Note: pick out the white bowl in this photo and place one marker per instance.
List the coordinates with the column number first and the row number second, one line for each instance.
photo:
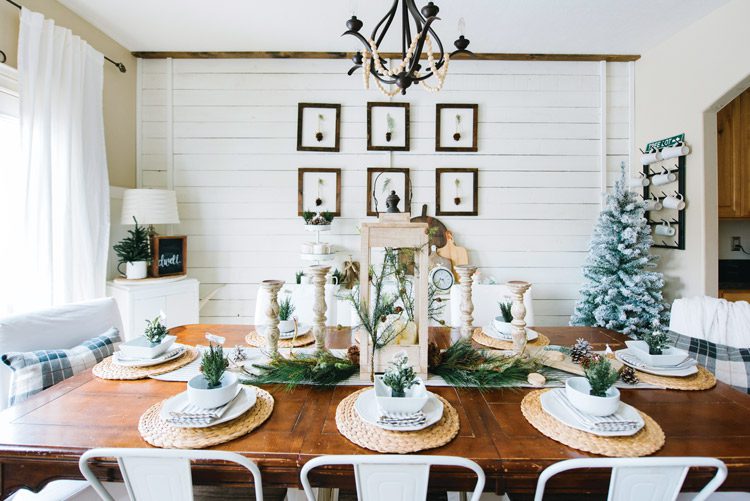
column 502, row 326
column 670, row 356
column 209, row 398
column 416, row 397
column 578, row 389
column 142, row 348
column 286, row 325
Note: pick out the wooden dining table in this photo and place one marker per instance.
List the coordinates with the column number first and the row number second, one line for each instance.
column 42, row 438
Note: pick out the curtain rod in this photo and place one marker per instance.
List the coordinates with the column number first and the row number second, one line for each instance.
column 119, row 66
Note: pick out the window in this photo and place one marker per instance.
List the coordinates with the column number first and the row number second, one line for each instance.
column 10, row 157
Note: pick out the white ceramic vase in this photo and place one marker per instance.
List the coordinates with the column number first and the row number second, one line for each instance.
column 135, row 270
column 578, row 389
column 200, row 395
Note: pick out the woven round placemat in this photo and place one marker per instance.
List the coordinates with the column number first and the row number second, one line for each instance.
column 394, row 442
column 647, row 441
column 107, row 369
column 701, row 380
column 159, row 433
column 482, row 338
column 255, row 339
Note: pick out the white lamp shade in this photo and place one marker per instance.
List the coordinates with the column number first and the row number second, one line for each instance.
column 149, row 207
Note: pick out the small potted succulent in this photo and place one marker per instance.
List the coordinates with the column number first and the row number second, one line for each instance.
column 153, row 343
column 214, row 386
column 399, row 389
column 654, row 350
column 595, row 393
column 502, row 322
column 286, row 308
column 134, row 252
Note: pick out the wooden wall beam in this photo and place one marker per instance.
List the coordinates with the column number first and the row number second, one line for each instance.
column 612, row 58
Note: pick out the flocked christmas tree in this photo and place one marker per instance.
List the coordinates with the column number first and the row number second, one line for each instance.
column 620, row 291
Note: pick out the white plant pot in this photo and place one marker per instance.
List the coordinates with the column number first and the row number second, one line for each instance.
column 136, row 270
column 142, row 348
column 415, row 397
column 502, row 326
column 286, row 325
column 670, row 356
column 200, row 395
column 578, row 391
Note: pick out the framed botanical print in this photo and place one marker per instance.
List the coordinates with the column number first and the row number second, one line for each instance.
column 388, row 186
column 456, row 127
column 388, row 126
column 318, row 127
column 456, row 192
column 319, row 190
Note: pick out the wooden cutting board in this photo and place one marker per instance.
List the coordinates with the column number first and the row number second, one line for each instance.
column 457, row 255
column 436, row 227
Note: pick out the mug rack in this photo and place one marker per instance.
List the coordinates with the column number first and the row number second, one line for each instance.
column 673, row 217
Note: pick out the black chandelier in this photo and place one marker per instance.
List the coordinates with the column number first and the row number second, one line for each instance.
column 409, row 69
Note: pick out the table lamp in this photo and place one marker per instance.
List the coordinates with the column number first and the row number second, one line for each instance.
column 149, row 207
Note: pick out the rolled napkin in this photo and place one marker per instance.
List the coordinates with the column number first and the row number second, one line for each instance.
column 612, row 423
column 651, row 158
column 402, row 419
column 674, row 151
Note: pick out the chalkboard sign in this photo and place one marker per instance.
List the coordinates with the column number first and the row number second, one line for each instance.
column 168, row 256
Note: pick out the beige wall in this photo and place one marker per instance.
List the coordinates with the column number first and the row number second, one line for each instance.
column 680, row 85
column 119, row 88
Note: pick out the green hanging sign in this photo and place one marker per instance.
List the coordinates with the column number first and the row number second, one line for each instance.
column 665, row 143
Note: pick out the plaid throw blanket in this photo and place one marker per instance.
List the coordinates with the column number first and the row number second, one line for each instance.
column 35, row 371
column 730, row 365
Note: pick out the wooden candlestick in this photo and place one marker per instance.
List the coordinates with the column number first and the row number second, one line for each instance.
column 318, row 275
column 272, row 287
column 466, row 279
column 518, row 310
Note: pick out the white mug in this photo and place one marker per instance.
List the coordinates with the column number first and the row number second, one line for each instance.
column 653, row 204
column 135, row 270
column 307, row 247
column 665, row 177
column 678, row 150
column 321, row 248
column 639, row 181
column 651, row 157
column 676, row 201
column 665, row 229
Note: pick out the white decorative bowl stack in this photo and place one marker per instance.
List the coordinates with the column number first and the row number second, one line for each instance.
column 578, row 389
column 142, row 348
column 415, row 399
column 670, row 356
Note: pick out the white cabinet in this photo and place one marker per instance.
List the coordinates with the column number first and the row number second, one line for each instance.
column 138, row 303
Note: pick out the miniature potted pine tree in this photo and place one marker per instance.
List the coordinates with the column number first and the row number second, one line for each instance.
column 399, row 389
column 653, row 349
column 502, row 322
column 134, row 252
column 286, row 308
column 595, row 393
column 214, row 386
column 153, row 343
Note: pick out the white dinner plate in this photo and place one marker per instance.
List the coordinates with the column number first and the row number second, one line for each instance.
column 243, row 403
column 560, row 412
column 367, row 409
column 633, row 361
column 490, row 330
column 302, row 329
column 176, row 351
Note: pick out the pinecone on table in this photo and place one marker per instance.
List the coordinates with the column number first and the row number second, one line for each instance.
column 580, row 351
column 628, row 375
column 434, row 357
column 353, row 354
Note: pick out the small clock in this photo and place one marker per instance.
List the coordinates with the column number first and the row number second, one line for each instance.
column 442, row 278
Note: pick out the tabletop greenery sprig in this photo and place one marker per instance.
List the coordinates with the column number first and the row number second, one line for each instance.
column 322, row 368
column 462, row 365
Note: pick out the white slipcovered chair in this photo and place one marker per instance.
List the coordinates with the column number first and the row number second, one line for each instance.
column 303, row 298
column 485, row 298
column 648, row 479
column 55, row 328
column 160, row 474
column 391, row 477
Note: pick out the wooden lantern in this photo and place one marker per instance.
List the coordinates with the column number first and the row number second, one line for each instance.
column 396, row 231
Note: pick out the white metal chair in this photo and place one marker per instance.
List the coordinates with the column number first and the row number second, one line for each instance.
column 160, row 474
column 485, row 298
column 391, row 477
column 644, row 479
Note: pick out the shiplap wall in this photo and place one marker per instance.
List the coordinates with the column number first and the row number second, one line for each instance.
column 222, row 133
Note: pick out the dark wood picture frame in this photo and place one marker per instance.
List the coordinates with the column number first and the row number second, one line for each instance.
column 300, row 126
column 407, row 126
column 474, row 132
column 157, row 243
column 406, row 199
column 440, row 211
column 301, row 184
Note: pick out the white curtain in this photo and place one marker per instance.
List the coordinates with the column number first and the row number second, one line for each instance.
column 64, row 217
